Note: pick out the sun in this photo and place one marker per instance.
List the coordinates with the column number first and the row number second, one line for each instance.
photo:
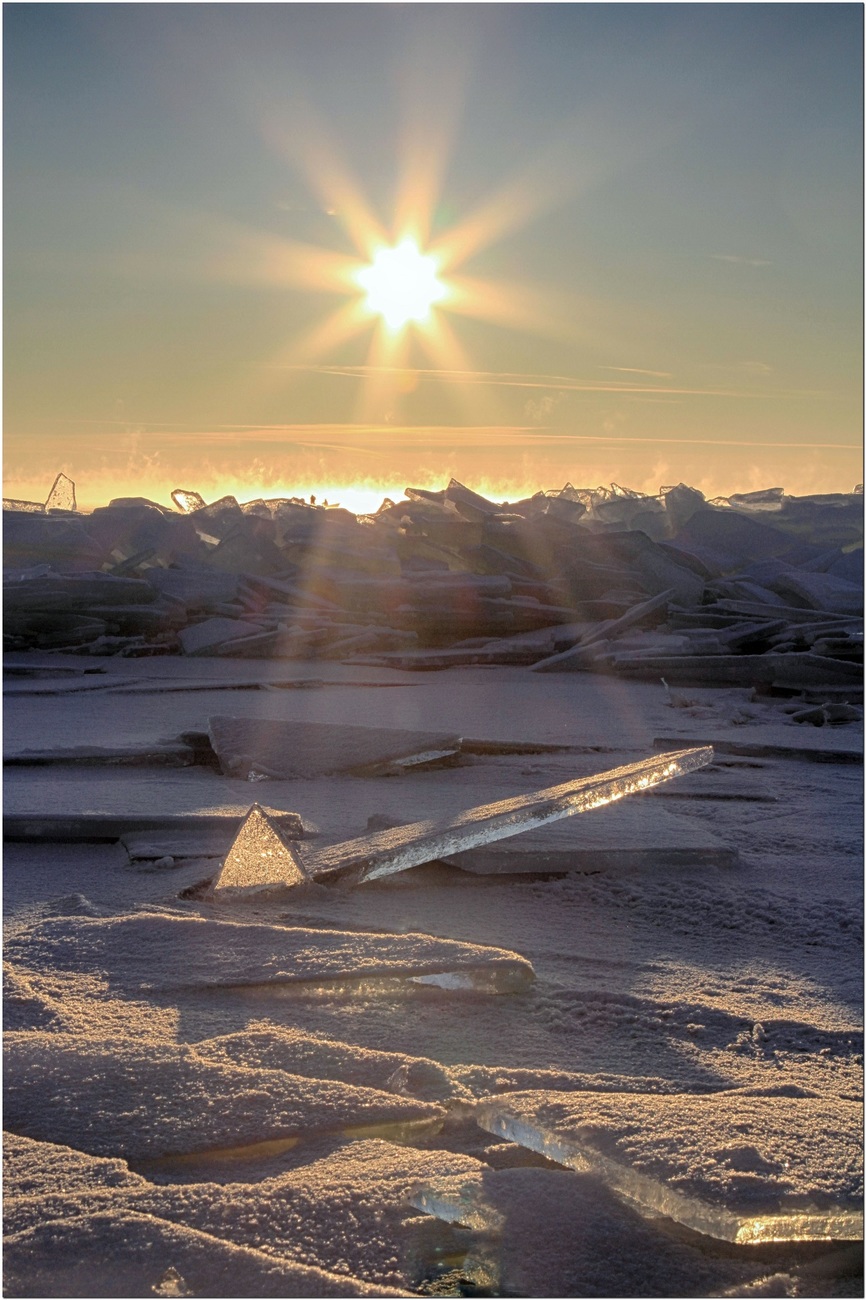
column 401, row 284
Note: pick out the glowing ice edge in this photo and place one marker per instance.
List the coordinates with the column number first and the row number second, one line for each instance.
column 647, row 1194
column 502, row 977
column 402, row 1132
column 395, row 850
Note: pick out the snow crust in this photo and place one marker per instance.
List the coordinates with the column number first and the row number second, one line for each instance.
column 155, row 950
column 147, row 1100
column 344, row 1213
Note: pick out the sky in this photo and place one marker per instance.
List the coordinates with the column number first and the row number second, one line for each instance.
column 645, row 220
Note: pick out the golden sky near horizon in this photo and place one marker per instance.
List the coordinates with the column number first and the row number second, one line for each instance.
column 283, row 249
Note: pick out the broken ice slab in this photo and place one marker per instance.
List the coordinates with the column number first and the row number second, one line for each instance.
column 296, row 1052
column 159, row 754
column 63, row 685
column 172, row 848
column 146, row 1100
column 62, row 494
column 575, row 657
column 381, row 854
column 58, row 540
column 783, row 742
column 73, row 593
column 468, row 503
column 358, row 1190
column 96, row 828
column 549, row 1232
column 165, row 951
column 744, row 1166
column 23, row 507
column 187, row 501
column 821, row 591
column 206, row 637
column 122, row 1253
column 737, row 670
column 259, row 859
column 33, row 1168
column 296, row 750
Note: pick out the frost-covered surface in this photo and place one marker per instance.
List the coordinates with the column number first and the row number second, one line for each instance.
column 748, row 1155
column 139, row 953
column 147, row 1100
column 117, row 1254
column 325, row 1058
column 347, row 1210
column 674, row 984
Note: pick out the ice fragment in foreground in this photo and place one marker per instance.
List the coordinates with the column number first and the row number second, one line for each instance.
column 259, row 859
column 739, row 1166
column 62, row 494
column 389, row 851
column 150, row 1100
column 122, row 1253
column 357, row 1191
column 146, row 952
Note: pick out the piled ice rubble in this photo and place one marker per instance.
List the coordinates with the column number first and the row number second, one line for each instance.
column 761, row 588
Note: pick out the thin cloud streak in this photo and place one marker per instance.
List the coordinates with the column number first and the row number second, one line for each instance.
column 564, row 383
column 637, row 370
column 457, row 435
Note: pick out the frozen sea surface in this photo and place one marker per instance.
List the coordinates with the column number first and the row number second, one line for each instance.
column 182, row 1124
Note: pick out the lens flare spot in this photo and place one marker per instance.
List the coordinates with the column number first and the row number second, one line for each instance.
column 401, row 284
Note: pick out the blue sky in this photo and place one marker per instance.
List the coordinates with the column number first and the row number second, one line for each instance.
column 669, row 200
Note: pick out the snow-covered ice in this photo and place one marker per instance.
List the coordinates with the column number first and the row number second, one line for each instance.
column 259, row 1063
column 745, row 1166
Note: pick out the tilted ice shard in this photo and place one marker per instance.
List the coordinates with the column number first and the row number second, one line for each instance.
column 187, row 501
column 62, row 494
column 740, row 1166
column 394, row 850
column 259, row 858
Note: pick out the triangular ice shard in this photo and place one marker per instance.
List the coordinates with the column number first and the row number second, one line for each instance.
column 258, row 859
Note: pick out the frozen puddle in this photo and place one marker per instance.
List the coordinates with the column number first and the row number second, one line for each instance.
column 153, row 952
column 145, row 1101
column 738, row 1166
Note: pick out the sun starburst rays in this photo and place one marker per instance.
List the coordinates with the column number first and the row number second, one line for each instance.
column 400, row 286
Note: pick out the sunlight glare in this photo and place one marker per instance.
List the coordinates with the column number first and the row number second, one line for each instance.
column 401, row 284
